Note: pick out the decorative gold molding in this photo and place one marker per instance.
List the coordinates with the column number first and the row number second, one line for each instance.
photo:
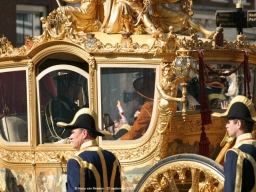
column 190, row 126
column 157, row 45
column 92, row 71
column 16, row 156
column 138, row 153
column 30, row 76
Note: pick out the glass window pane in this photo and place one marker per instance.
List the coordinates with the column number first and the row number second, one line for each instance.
column 127, row 101
column 27, row 24
column 19, row 29
column 13, row 106
column 37, row 29
column 218, row 88
column 62, row 94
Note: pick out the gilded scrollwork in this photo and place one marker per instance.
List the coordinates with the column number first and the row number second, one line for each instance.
column 138, row 152
column 16, row 156
column 171, row 40
column 52, row 156
column 162, row 43
column 200, row 177
column 190, row 126
column 33, row 157
column 7, row 49
column 30, row 73
column 126, row 43
column 91, row 43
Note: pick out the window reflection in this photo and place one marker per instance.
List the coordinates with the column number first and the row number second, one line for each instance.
column 127, row 101
column 28, row 22
column 62, row 94
column 13, row 106
column 218, row 88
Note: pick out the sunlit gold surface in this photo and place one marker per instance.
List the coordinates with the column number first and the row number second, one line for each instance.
column 67, row 30
column 197, row 175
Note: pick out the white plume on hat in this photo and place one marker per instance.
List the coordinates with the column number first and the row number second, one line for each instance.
column 233, row 88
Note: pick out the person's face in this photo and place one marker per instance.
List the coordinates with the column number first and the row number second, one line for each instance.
column 74, row 91
column 116, row 123
column 77, row 137
column 232, row 127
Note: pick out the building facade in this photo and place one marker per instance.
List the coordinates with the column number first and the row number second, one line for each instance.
column 20, row 18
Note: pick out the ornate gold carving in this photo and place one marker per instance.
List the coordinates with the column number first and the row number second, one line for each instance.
column 161, row 44
column 190, row 126
column 30, row 76
column 16, row 156
column 52, row 156
column 33, row 157
column 91, row 43
column 166, row 178
column 121, row 16
column 92, row 69
column 138, row 153
column 126, row 44
column 32, row 151
column 7, row 49
column 168, row 88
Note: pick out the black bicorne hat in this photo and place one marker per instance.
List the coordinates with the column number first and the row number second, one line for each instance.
column 84, row 118
column 240, row 107
column 145, row 86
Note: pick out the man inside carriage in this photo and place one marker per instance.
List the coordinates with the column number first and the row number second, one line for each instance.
column 64, row 106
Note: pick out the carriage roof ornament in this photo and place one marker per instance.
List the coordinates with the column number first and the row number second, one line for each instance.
column 184, row 66
column 239, row 4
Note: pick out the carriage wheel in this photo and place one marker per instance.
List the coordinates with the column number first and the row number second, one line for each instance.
column 184, row 172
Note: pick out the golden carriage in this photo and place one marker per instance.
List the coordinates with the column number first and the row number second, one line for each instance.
column 109, row 54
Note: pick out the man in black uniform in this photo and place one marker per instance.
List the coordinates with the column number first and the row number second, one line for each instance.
column 92, row 169
column 240, row 165
column 63, row 107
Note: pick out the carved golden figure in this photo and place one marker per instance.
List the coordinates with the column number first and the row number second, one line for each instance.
column 168, row 89
column 84, row 16
column 180, row 18
column 124, row 15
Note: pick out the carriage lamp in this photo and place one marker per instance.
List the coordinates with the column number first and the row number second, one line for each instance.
column 185, row 68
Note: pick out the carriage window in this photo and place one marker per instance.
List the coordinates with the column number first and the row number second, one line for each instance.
column 13, row 106
column 62, row 93
column 219, row 88
column 127, row 101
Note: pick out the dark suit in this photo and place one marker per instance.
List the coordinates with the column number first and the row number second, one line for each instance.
column 240, row 166
column 59, row 109
column 92, row 169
